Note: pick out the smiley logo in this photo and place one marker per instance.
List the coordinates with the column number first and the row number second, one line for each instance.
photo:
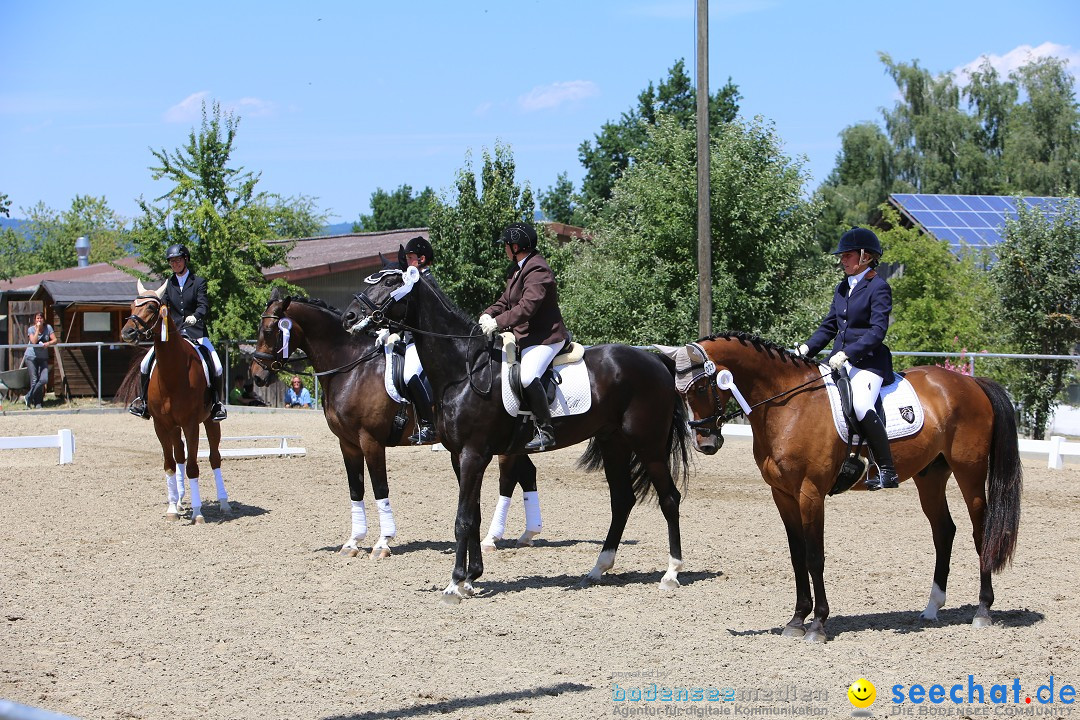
column 862, row 693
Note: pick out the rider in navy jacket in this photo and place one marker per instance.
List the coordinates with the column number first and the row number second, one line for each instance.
column 858, row 320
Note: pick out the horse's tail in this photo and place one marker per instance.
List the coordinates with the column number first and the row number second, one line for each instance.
column 129, row 386
column 678, row 446
column 1005, row 479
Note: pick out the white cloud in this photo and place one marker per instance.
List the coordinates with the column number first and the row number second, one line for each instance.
column 483, row 108
column 1020, row 56
column 555, row 94
column 189, row 110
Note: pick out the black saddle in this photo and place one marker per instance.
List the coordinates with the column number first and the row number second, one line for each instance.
column 548, row 380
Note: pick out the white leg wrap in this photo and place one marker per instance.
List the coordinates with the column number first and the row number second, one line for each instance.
column 498, row 518
column 936, row 602
column 181, row 473
column 387, row 528
column 359, row 523
column 222, row 495
column 173, row 490
column 196, row 501
column 533, row 526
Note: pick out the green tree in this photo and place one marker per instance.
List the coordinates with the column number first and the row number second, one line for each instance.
column 559, row 203
column 617, row 144
column 47, row 240
column 1037, row 277
column 10, row 244
column 940, row 301
column 635, row 281
column 1042, row 148
column 215, row 210
column 397, row 210
column 465, row 224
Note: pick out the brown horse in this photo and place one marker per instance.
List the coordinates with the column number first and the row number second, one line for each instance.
column 179, row 400
column 356, row 405
column 969, row 431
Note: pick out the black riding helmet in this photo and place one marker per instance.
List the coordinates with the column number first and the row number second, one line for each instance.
column 859, row 239
column 177, row 250
column 521, row 234
column 421, row 246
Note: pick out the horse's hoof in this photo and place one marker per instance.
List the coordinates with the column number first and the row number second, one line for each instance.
column 226, row 508
column 198, row 520
column 526, row 539
column 488, row 544
column 172, row 516
column 450, row 597
column 378, row 553
column 793, row 631
column 349, row 552
column 671, row 583
column 815, row 637
column 928, row 617
column 981, row 621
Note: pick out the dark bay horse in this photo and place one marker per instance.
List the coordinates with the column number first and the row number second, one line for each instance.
column 357, row 408
column 636, row 425
column 969, row 432
column 179, row 401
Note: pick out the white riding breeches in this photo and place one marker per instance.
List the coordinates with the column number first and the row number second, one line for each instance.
column 144, row 366
column 412, row 363
column 535, row 360
column 865, row 387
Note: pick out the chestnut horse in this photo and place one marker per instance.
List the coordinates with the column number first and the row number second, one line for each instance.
column 636, row 423
column 969, row 431
column 178, row 399
column 357, row 408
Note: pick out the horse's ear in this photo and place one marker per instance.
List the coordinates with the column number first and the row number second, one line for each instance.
column 276, row 293
column 161, row 290
column 695, row 353
column 672, row 351
column 139, row 287
column 402, row 261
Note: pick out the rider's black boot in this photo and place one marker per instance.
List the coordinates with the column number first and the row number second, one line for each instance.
column 538, row 403
column 878, row 440
column 138, row 406
column 217, row 410
column 422, row 411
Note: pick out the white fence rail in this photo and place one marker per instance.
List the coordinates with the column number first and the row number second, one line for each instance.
column 282, row 448
column 64, row 440
column 1056, row 448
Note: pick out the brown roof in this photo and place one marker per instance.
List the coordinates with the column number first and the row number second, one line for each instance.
column 98, row 272
column 312, row 257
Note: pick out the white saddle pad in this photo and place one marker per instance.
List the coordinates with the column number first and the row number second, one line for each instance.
column 573, row 394
column 388, row 373
column 202, row 360
column 903, row 411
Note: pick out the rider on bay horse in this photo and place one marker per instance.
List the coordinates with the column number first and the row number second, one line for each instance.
column 858, row 319
column 530, row 308
column 419, row 254
column 186, row 297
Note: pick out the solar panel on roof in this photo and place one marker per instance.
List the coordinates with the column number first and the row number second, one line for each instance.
column 967, row 221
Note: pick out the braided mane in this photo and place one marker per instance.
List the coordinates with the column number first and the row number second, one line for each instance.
column 761, row 345
column 318, row 303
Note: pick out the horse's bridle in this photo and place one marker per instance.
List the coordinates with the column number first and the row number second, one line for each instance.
column 271, row 361
column 146, row 329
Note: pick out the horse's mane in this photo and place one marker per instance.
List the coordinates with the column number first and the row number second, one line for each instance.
column 447, row 302
column 317, row 303
column 761, row 345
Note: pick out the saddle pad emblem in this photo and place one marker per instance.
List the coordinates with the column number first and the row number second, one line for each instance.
column 908, row 413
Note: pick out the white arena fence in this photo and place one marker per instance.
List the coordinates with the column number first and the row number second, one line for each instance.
column 280, row 449
column 64, row 440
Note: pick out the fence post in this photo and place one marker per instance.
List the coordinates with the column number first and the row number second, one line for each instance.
column 99, row 374
column 1055, row 461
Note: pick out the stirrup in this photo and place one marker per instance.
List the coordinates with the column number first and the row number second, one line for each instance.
column 424, row 434
column 885, row 479
column 139, row 408
column 543, row 440
column 218, row 413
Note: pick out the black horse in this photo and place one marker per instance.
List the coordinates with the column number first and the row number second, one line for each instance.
column 355, row 402
column 636, row 425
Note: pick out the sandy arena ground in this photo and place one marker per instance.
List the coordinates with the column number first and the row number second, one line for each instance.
column 110, row 611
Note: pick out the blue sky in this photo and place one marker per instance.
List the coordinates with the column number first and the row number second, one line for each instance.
column 337, row 99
